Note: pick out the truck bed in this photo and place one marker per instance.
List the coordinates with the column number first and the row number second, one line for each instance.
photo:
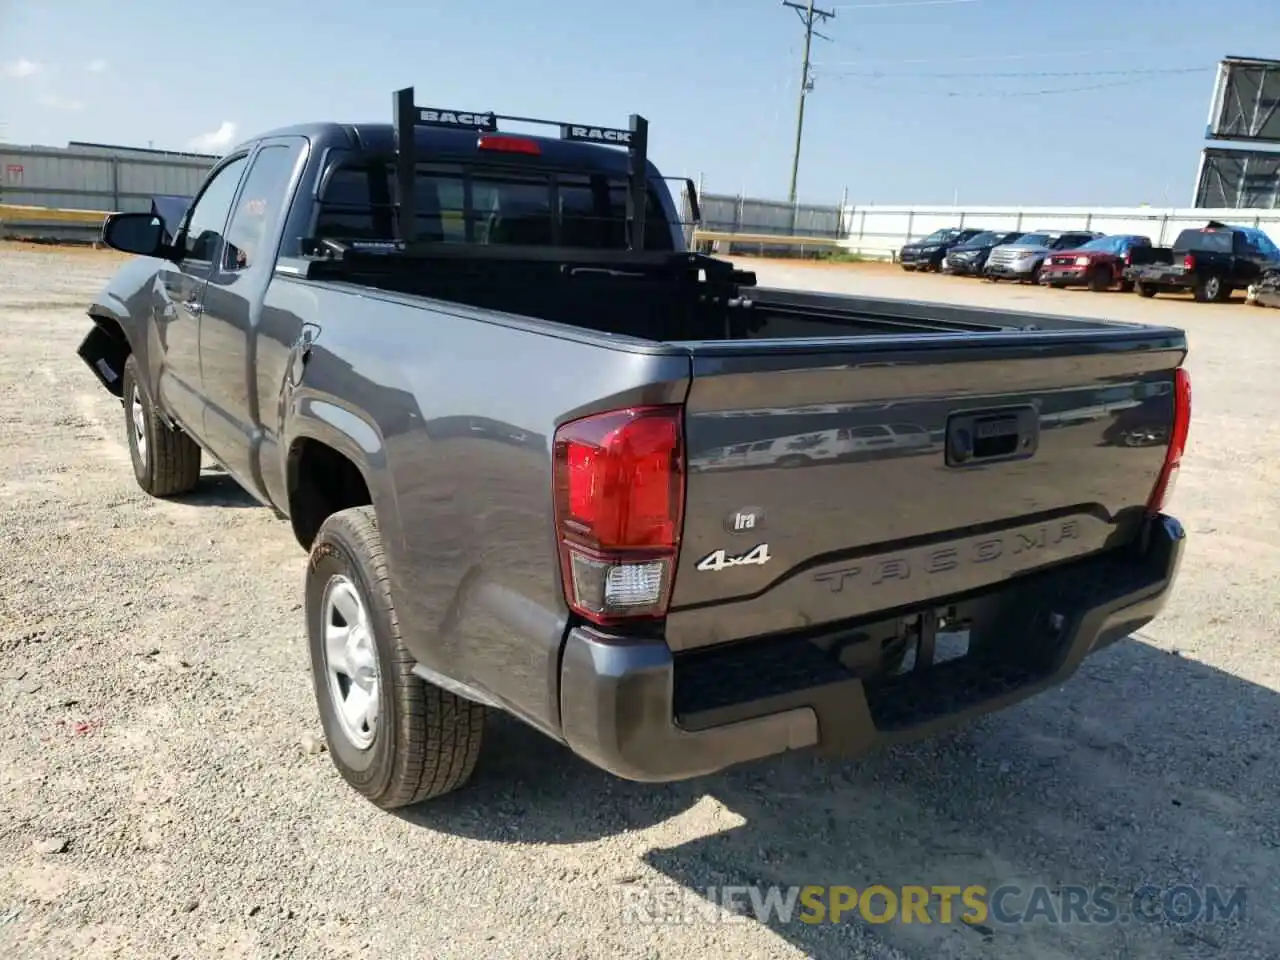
column 891, row 452
column 650, row 300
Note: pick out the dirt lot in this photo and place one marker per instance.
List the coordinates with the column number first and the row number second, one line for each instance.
column 157, row 797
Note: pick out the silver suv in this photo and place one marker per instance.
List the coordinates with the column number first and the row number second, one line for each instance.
column 1021, row 259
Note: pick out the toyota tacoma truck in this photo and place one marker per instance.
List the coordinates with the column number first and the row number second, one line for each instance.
column 474, row 370
column 1210, row 262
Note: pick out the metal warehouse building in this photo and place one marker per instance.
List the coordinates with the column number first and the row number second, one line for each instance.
column 96, row 176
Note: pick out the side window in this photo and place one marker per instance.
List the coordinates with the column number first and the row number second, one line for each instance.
column 209, row 216
column 262, row 204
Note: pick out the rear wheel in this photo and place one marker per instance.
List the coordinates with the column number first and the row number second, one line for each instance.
column 166, row 462
column 1099, row 279
column 395, row 738
column 1126, row 286
column 1145, row 289
column 1212, row 289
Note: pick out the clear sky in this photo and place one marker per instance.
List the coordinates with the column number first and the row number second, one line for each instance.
column 915, row 101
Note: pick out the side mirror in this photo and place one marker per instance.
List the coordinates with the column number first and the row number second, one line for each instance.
column 694, row 210
column 140, row 233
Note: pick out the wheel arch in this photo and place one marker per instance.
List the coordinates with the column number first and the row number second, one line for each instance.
column 330, row 468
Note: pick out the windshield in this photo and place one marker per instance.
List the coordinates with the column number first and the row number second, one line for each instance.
column 939, row 236
column 985, row 238
column 1033, row 240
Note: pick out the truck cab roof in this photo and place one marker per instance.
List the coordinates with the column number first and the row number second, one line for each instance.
column 435, row 143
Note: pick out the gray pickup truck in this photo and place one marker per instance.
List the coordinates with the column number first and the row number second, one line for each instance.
column 492, row 394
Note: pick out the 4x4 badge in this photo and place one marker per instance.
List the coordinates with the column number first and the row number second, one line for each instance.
column 717, row 560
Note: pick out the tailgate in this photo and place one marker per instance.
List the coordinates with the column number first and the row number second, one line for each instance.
column 835, row 481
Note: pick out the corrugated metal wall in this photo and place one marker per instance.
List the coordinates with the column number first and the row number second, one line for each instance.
column 96, row 176
column 730, row 214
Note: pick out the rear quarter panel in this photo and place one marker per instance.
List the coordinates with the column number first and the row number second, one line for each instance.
column 451, row 414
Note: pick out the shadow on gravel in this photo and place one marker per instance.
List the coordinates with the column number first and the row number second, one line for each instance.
column 217, row 489
column 1145, row 768
column 529, row 789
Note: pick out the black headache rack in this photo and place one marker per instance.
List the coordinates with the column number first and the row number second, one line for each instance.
column 635, row 262
column 409, row 116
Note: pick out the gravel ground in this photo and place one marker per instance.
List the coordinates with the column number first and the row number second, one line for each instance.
column 162, row 793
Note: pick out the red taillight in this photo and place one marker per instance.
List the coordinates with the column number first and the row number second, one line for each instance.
column 1189, row 262
column 1177, row 442
column 619, row 496
column 505, row 144
column 1128, row 258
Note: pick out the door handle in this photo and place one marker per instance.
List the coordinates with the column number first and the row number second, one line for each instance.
column 302, row 351
column 193, row 307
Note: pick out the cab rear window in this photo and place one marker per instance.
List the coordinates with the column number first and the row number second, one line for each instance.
column 488, row 205
column 1210, row 241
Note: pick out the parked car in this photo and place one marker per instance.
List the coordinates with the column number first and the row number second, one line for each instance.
column 1210, row 262
column 477, row 411
column 929, row 252
column 968, row 258
column 1098, row 264
column 1265, row 291
column 1021, row 259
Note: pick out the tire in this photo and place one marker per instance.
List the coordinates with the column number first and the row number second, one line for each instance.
column 1144, row 289
column 1126, row 286
column 424, row 741
column 1100, row 280
column 1212, row 289
column 166, row 462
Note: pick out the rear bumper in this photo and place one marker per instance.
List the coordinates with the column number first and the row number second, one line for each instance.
column 621, row 700
column 1162, row 278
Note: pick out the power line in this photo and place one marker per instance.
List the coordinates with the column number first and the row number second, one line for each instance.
column 880, row 74
column 988, row 58
column 807, row 12
column 1017, row 93
column 906, row 3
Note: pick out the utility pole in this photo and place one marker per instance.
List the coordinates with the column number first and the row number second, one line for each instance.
column 808, row 13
